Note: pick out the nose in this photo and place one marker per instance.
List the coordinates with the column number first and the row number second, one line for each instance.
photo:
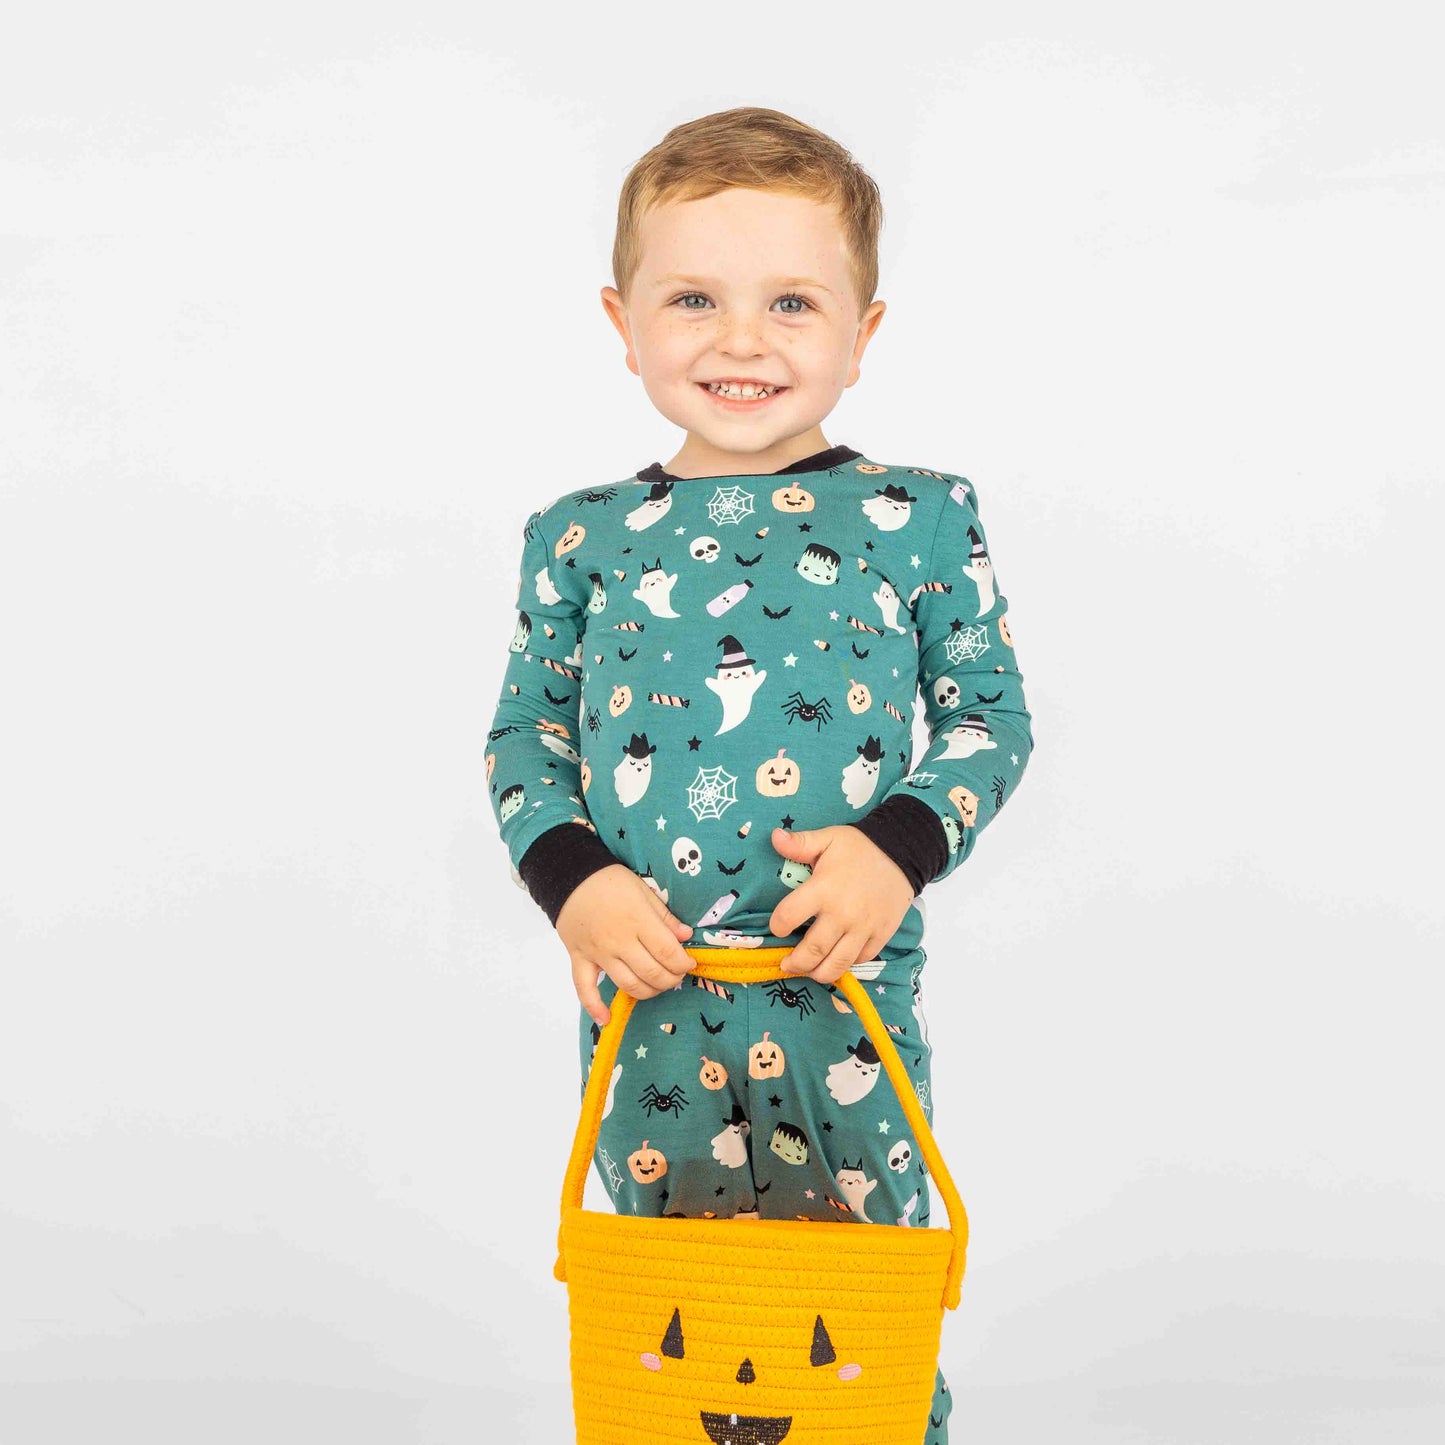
column 739, row 335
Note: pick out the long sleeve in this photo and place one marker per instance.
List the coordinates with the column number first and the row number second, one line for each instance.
column 534, row 765
column 979, row 727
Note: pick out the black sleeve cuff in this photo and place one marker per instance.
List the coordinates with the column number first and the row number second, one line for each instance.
column 911, row 834
column 557, row 861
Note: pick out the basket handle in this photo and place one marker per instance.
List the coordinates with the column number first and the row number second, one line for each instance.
column 761, row 965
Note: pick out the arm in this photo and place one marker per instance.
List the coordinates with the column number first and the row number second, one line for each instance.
column 534, row 761
column 979, row 727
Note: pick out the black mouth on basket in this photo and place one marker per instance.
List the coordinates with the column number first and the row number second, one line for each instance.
column 745, row 1429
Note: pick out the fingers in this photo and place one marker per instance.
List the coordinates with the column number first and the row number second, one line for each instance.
column 794, row 911
column 662, row 944
column 584, row 979
column 814, row 947
column 841, row 957
column 667, row 915
column 634, row 960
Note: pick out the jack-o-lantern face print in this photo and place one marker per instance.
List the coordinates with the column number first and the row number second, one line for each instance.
column 778, row 777
column 1003, row 632
column 620, row 700
column 712, row 1074
column 491, row 765
column 570, row 539
column 871, row 469
column 859, row 698
column 966, row 803
column 803, row 1348
column 647, row 1165
column 766, row 1060
column 793, row 499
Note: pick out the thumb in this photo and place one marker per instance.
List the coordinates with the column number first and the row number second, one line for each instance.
column 797, row 844
column 674, row 922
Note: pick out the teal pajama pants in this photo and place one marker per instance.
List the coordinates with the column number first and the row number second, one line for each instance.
column 767, row 1099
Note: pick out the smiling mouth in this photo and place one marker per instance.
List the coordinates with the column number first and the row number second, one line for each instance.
column 741, row 401
column 745, row 1429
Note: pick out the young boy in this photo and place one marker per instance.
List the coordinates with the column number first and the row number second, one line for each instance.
column 704, row 736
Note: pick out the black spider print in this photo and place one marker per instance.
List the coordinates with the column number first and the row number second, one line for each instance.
column 672, row 1102
column 817, row 712
column 604, row 496
column 794, row 998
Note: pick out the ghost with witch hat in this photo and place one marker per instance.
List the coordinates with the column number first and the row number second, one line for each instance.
column 735, row 683
column 981, row 570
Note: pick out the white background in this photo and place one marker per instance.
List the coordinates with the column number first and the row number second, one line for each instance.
column 299, row 319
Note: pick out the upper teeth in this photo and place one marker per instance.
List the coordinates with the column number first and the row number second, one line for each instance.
column 746, row 389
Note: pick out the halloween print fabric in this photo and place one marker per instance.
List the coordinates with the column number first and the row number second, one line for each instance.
column 768, row 1101
column 696, row 661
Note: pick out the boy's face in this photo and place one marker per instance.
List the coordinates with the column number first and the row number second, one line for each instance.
column 708, row 305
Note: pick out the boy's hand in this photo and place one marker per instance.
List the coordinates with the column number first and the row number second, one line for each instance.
column 857, row 897
column 612, row 920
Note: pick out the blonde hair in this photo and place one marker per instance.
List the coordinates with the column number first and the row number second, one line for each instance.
column 763, row 150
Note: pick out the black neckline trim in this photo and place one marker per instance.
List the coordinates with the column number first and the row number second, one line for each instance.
column 818, row 462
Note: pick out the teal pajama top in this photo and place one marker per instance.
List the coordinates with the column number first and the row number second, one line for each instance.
column 696, row 661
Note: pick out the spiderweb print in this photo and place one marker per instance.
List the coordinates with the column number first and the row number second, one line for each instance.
column 614, row 1174
column 711, row 793
column 729, row 504
column 968, row 644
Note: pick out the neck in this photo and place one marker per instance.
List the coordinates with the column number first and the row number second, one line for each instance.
column 698, row 457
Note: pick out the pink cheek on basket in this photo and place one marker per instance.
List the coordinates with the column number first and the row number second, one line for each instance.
column 651, row 1361
column 850, row 1372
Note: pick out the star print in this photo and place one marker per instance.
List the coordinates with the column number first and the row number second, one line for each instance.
column 551, row 763
column 622, row 832
column 775, row 1100
column 661, row 824
column 787, row 820
column 693, row 744
column 809, row 1193
column 1014, row 759
column 571, row 561
column 914, row 561
column 833, row 615
column 667, row 656
column 719, row 1189
column 883, row 1126
column 805, row 527
column 677, row 532
column 828, row 1125
column 869, row 545
column 895, row 672
column 955, row 624
column 880, row 990
column 664, row 1194
column 642, row 1051
column 791, row 660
